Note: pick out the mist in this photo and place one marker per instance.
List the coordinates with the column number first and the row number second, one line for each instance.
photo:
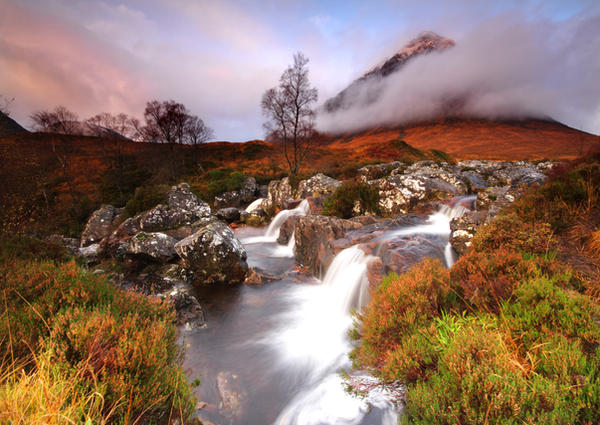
column 508, row 67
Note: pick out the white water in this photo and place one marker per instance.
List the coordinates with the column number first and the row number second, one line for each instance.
column 272, row 232
column 313, row 341
column 313, row 336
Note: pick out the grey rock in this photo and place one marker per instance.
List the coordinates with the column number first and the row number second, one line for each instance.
column 317, row 185
column 377, row 171
column 98, row 225
column 155, row 245
column 228, row 215
column 279, row 191
column 214, row 255
column 183, row 208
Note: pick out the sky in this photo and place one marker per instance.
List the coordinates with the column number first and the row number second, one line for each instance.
column 218, row 57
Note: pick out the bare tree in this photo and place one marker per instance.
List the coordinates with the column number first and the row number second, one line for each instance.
column 60, row 120
column 5, row 103
column 290, row 117
column 106, row 124
column 165, row 122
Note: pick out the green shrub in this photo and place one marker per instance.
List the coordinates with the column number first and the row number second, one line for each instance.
column 352, row 198
column 542, row 308
column 145, row 198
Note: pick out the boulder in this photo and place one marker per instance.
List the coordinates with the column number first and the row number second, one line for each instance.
column 398, row 194
column 98, row 225
column 248, row 190
column 229, row 215
column 279, row 191
column 286, row 231
column 520, row 173
column 313, row 234
column 214, row 255
column 183, row 208
column 317, row 185
column 377, row 171
column 188, row 311
column 230, row 199
column 494, row 199
column 154, row 245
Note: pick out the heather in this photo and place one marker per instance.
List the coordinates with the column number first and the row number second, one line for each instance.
column 510, row 334
column 102, row 354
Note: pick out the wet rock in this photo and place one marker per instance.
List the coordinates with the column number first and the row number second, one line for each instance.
column 377, row 171
column 188, row 310
column 278, row 192
column 98, row 225
column 214, row 255
column 153, row 245
column 317, row 185
column 229, row 215
column 464, row 228
column 258, row 277
column 234, row 399
column 313, row 233
column 183, row 208
column 286, row 231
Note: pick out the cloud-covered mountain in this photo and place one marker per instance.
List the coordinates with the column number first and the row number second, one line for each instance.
column 362, row 91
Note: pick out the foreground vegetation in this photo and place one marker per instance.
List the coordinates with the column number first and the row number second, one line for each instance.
column 76, row 349
column 511, row 333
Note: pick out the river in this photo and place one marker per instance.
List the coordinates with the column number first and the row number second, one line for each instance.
column 277, row 350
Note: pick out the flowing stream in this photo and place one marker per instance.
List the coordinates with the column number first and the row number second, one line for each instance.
column 273, row 354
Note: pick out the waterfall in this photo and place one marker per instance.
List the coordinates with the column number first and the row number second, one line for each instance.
column 313, row 340
column 282, row 216
column 347, row 281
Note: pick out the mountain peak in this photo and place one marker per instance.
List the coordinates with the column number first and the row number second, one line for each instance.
column 425, row 42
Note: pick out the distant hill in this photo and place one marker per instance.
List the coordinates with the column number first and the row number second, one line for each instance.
column 476, row 138
column 8, row 126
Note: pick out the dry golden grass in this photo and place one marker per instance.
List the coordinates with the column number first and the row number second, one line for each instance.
column 45, row 395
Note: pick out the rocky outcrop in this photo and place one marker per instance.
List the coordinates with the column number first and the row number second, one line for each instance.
column 317, row 185
column 154, row 245
column 98, row 225
column 183, row 208
column 313, row 233
column 279, row 191
column 377, row 171
column 214, row 255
